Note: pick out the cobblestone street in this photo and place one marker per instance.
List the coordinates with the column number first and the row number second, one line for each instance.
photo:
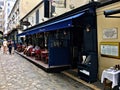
column 16, row 73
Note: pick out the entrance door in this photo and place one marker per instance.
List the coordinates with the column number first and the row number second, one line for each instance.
column 59, row 52
column 76, row 44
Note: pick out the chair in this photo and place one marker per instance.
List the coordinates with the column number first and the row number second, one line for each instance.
column 46, row 59
column 107, row 83
column 44, row 56
column 19, row 48
column 29, row 51
column 32, row 52
column 37, row 54
column 23, row 48
column 119, row 80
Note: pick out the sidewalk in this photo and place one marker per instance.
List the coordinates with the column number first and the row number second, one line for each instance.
column 95, row 86
column 16, row 73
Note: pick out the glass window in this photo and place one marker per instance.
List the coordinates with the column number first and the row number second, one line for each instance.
column 8, row 4
column 37, row 16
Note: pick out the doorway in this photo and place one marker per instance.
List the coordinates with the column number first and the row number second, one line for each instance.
column 76, row 45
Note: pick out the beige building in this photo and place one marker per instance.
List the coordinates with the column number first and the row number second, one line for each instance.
column 56, row 8
column 26, row 5
column 105, row 26
column 17, row 12
column 1, row 19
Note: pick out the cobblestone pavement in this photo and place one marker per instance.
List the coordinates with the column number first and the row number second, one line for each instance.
column 16, row 73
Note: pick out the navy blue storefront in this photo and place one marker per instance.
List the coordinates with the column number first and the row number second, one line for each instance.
column 69, row 35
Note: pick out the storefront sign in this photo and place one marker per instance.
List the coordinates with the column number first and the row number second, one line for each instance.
column 110, row 33
column 59, row 3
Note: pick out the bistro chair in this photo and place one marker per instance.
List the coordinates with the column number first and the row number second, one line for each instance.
column 29, row 51
column 19, row 47
column 119, row 81
column 23, row 47
column 37, row 54
column 44, row 56
column 46, row 59
column 107, row 84
column 32, row 52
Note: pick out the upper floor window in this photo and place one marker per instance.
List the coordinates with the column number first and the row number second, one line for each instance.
column 8, row 10
column 37, row 16
column 8, row 4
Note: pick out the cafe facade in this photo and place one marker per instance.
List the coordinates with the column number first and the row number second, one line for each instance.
column 76, row 32
column 67, row 35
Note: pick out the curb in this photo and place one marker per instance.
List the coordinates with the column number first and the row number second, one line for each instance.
column 81, row 81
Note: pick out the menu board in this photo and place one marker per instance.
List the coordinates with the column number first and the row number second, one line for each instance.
column 110, row 49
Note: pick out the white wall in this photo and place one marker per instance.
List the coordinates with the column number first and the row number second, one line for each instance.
column 7, row 9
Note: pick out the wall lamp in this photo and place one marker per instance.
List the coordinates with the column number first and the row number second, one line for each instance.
column 26, row 23
column 88, row 28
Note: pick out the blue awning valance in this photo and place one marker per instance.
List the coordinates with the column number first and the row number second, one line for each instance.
column 60, row 24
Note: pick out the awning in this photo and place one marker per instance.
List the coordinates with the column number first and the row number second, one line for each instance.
column 64, row 23
column 111, row 13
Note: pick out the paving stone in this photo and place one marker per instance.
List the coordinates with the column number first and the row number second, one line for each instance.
column 16, row 73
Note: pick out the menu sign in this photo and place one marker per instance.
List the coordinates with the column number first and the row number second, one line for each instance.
column 110, row 49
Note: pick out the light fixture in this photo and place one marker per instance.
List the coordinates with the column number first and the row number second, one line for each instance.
column 88, row 28
column 42, row 19
column 71, row 6
column 54, row 14
column 64, row 32
column 26, row 23
column 93, row 0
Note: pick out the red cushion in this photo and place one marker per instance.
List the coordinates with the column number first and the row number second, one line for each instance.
column 30, row 50
column 37, row 51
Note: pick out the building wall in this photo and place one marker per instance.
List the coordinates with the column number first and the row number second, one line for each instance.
column 19, row 10
column 41, row 14
column 57, row 10
column 70, row 5
column 32, row 16
column 26, row 6
column 1, row 15
column 1, row 20
column 102, row 23
column 7, row 9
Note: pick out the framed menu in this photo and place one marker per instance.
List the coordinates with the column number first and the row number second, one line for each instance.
column 110, row 49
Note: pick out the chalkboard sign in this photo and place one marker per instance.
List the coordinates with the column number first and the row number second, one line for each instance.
column 110, row 49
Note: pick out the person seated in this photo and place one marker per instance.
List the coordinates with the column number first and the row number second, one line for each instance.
column 27, row 49
column 37, row 52
column 23, row 47
column 37, row 47
column 19, row 47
